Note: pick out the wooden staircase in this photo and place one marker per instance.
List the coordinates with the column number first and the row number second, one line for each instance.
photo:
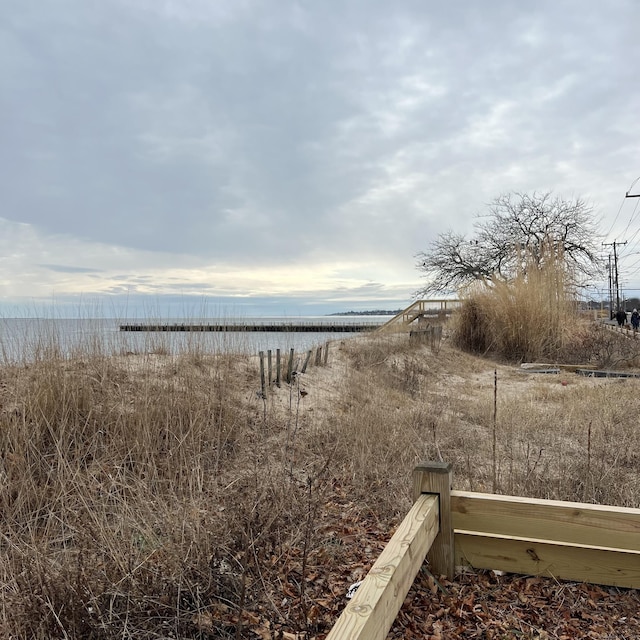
column 420, row 309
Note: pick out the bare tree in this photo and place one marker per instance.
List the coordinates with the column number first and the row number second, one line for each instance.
column 516, row 225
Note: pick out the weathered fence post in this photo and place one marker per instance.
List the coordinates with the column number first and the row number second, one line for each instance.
column 436, row 478
column 263, row 388
column 269, row 368
column 318, row 356
column 436, row 338
column 326, row 353
column 306, row 361
column 290, row 366
column 278, row 368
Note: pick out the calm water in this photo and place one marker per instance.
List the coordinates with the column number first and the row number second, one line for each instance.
column 27, row 338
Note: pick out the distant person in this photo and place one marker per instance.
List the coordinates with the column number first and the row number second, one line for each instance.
column 635, row 320
column 621, row 317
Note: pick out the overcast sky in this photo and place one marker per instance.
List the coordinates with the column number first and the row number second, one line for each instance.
column 292, row 157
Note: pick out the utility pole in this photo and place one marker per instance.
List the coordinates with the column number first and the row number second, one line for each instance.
column 610, row 290
column 615, row 267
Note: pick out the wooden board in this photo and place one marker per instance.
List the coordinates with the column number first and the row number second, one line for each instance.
column 615, row 567
column 372, row 610
column 570, row 522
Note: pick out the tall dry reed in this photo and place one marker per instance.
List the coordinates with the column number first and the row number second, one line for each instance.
column 529, row 317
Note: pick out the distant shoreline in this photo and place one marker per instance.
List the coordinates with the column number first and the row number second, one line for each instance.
column 376, row 312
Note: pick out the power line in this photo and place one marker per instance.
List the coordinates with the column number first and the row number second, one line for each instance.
column 613, row 224
column 633, row 213
column 628, row 195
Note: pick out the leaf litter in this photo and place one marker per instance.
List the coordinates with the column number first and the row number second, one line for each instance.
column 475, row 604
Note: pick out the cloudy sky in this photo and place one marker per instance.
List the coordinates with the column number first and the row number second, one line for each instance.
column 292, row 156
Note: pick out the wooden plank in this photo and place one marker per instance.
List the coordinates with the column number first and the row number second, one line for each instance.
column 372, row 610
column 436, row 478
column 615, row 567
column 571, row 522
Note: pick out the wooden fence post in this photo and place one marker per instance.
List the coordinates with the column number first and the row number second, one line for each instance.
column 326, row 353
column 263, row 389
column 318, row 356
column 306, row 362
column 436, row 478
column 290, row 367
column 278, row 368
column 269, row 368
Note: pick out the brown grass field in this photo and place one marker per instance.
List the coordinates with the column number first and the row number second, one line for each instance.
column 159, row 496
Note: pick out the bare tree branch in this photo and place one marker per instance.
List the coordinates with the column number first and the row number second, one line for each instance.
column 517, row 224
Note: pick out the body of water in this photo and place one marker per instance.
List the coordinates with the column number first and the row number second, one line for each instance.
column 23, row 339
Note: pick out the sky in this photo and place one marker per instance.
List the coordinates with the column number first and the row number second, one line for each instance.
column 291, row 157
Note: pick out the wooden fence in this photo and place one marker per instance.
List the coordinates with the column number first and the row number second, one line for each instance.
column 564, row 540
column 428, row 333
column 279, row 366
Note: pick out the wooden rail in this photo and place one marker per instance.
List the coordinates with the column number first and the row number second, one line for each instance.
column 420, row 309
column 371, row 612
column 626, row 330
column 377, row 601
column 564, row 540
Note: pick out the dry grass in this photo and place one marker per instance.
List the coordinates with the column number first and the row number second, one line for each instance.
column 528, row 317
column 156, row 496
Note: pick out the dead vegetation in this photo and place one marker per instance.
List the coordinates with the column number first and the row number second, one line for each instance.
column 158, row 496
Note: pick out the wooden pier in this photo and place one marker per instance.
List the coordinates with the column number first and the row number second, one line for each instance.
column 283, row 327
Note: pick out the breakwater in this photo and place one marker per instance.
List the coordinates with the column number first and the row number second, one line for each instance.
column 323, row 327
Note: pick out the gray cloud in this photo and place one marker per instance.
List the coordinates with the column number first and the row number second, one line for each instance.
column 61, row 268
column 266, row 134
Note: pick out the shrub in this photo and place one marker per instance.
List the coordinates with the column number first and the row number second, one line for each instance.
column 526, row 318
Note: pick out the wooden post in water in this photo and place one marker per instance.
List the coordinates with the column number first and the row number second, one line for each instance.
column 436, row 478
column 306, row 361
column 278, row 368
column 263, row 388
column 269, row 369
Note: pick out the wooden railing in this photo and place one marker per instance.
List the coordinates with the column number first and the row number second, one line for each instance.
column 420, row 308
column 564, row 540
column 376, row 603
